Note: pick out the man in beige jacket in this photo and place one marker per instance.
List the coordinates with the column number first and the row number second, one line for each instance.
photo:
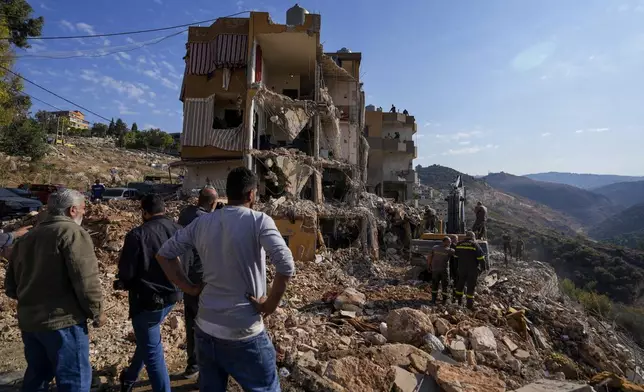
column 53, row 273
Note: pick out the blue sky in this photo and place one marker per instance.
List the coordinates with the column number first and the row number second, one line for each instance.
column 495, row 85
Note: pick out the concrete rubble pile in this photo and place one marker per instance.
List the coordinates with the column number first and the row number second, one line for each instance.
column 352, row 322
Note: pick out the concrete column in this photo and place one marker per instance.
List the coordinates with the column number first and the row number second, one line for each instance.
column 317, row 179
column 248, row 159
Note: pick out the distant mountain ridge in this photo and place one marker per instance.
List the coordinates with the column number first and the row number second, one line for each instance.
column 587, row 207
column 501, row 206
column 625, row 193
column 625, row 228
column 583, row 181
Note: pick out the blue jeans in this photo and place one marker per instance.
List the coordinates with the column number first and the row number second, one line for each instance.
column 62, row 354
column 149, row 350
column 251, row 362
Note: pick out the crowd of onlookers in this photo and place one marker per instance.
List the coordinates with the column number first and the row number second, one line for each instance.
column 213, row 258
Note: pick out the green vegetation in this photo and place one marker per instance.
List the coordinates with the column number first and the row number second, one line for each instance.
column 629, row 318
column 151, row 138
column 624, row 229
column 23, row 138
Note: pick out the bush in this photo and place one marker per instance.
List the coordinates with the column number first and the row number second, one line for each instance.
column 25, row 138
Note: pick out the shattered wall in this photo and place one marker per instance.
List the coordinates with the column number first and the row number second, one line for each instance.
column 289, row 114
column 197, row 175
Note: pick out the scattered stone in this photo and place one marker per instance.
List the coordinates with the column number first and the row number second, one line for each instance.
column 359, row 374
column 374, row 338
column 458, row 350
column 482, row 340
column 470, row 358
column 442, row 326
column 522, row 355
column 433, row 343
column 513, row 347
column 383, row 329
column 555, row 386
column 408, row 382
column 346, row 340
column 176, row 323
column 460, row 379
column 515, row 365
column 307, row 359
column 407, row 325
column 313, row 382
column 349, row 296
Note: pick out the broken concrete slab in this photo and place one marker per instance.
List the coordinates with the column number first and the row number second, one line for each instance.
column 460, row 379
column 522, row 354
column 412, row 382
column 402, row 355
column 311, row 381
column 407, row 325
column 458, row 350
column 555, row 386
column 482, row 340
column 348, row 298
column 360, row 374
column 442, row 326
column 510, row 344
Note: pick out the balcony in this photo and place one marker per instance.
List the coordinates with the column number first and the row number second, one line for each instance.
column 405, row 176
column 394, row 145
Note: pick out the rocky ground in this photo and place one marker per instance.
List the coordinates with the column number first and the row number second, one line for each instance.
column 80, row 163
column 350, row 322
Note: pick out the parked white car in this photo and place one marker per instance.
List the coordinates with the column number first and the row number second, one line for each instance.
column 121, row 194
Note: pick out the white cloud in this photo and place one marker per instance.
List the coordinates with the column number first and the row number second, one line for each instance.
column 156, row 111
column 156, row 75
column 470, row 150
column 149, row 126
column 44, row 6
column 67, row 25
column 36, row 48
column 458, row 135
column 593, row 130
column 152, row 94
column 419, row 136
column 106, row 42
column 158, row 2
column 125, row 56
column 86, row 28
column 464, row 142
column 546, row 134
column 124, row 109
column 169, row 66
column 122, row 87
column 35, row 72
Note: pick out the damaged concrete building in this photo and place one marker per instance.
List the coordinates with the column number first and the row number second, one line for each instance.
column 392, row 151
column 266, row 96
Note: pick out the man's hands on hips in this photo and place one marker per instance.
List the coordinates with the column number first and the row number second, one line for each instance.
column 100, row 321
column 265, row 305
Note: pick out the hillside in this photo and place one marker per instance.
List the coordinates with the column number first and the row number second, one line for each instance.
column 626, row 194
column 585, row 206
column 625, row 228
column 501, row 205
column 80, row 163
column 584, row 181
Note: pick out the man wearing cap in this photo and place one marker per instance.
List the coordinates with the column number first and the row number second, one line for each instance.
column 438, row 261
column 471, row 261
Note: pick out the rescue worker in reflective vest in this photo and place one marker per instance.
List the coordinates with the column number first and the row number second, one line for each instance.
column 520, row 247
column 438, row 261
column 507, row 247
column 471, row 260
column 453, row 261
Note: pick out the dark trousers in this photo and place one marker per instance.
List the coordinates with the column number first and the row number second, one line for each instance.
column 480, row 229
column 191, row 307
column 467, row 276
column 519, row 254
column 440, row 278
column 62, row 354
column 507, row 252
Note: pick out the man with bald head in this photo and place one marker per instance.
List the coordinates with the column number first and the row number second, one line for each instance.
column 207, row 203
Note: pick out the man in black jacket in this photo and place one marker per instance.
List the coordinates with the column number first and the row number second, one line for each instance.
column 471, row 261
column 207, row 203
column 151, row 295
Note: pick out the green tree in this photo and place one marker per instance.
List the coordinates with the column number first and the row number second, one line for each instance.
column 135, row 127
column 111, row 129
column 24, row 138
column 120, row 128
column 156, row 138
column 99, row 130
column 17, row 18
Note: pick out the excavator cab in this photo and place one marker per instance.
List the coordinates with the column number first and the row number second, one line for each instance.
column 421, row 247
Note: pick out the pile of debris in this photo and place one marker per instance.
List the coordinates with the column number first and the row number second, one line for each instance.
column 352, row 322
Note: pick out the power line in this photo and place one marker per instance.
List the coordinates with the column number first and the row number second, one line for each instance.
column 94, row 55
column 54, row 94
column 37, row 99
column 133, row 32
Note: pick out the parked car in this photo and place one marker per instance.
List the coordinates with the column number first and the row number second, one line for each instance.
column 12, row 205
column 42, row 191
column 23, row 193
column 121, row 194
